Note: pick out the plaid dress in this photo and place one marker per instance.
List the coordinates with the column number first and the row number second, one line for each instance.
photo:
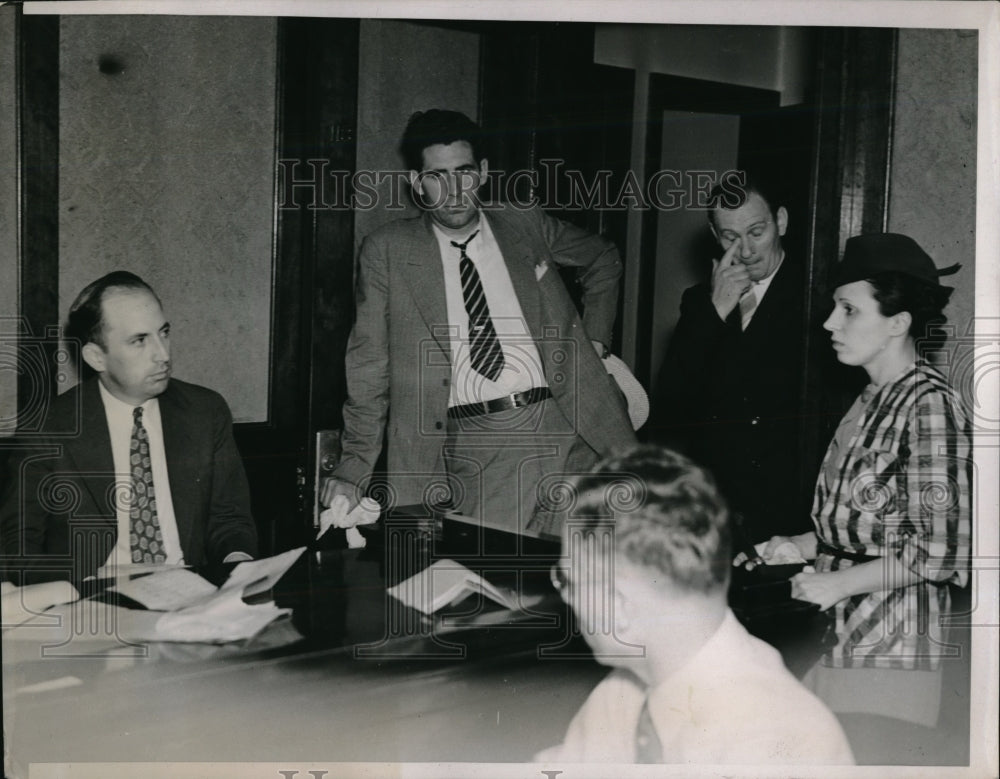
column 896, row 481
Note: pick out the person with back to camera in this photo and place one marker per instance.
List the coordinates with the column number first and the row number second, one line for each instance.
column 647, row 573
column 892, row 507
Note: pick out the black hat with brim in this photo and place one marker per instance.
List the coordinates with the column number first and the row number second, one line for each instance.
column 874, row 253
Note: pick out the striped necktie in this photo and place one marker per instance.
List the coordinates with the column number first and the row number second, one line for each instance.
column 484, row 345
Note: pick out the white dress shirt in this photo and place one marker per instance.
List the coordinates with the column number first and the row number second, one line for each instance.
column 733, row 702
column 120, row 422
column 522, row 364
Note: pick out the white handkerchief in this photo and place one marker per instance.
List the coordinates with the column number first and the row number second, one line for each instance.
column 541, row 269
column 365, row 513
column 784, row 554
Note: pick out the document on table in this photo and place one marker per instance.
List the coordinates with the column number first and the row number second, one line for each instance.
column 446, row 582
column 128, row 570
column 167, row 590
column 223, row 615
column 22, row 604
column 256, row 576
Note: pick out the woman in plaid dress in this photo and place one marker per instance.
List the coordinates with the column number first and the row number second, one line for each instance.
column 892, row 508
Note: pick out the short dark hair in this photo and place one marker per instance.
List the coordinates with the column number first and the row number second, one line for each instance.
column 897, row 292
column 85, row 322
column 666, row 512
column 734, row 189
column 427, row 128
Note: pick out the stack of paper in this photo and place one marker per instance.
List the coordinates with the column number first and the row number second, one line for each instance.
column 223, row 615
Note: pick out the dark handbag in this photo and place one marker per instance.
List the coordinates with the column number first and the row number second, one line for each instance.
column 761, row 598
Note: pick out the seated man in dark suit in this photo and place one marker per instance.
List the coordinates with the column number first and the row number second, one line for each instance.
column 729, row 389
column 131, row 466
column 648, row 549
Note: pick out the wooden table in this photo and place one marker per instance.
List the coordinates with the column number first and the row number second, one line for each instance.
column 353, row 677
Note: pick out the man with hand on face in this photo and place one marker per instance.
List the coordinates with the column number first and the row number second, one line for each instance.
column 730, row 382
column 148, row 462
column 647, row 553
column 467, row 352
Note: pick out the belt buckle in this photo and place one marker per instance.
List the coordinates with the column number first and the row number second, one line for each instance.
column 519, row 399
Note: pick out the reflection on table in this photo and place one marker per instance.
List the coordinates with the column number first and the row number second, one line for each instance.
column 352, row 676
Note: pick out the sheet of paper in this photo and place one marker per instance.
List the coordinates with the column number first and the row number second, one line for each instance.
column 224, row 618
column 167, row 590
column 263, row 574
column 222, row 615
column 22, row 604
column 445, row 582
column 128, row 570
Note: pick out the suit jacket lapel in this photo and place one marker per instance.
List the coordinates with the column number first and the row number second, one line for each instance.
column 519, row 260
column 421, row 260
column 425, row 275
column 89, row 452
column 178, row 444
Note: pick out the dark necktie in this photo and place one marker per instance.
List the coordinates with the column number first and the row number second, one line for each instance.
column 648, row 748
column 484, row 346
column 145, row 538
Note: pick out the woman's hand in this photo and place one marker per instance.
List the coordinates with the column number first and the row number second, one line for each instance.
column 823, row 589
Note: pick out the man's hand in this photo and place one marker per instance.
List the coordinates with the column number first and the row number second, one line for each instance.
column 333, row 487
column 729, row 281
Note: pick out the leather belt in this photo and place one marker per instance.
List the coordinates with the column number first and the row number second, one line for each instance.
column 844, row 554
column 506, row 403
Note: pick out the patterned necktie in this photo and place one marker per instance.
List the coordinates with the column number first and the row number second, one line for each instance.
column 748, row 304
column 648, row 748
column 145, row 538
column 484, row 346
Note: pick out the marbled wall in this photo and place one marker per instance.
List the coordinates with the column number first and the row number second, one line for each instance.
column 932, row 194
column 402, row 70
column 166, row 169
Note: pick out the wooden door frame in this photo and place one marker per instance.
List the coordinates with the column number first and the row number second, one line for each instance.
column 855, row 95
column 677, row 93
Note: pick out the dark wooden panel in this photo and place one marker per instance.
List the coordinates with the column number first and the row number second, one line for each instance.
column 38, row 210
column 312, row 284
column 554, row 113
column 332, row 282
column 855, row 94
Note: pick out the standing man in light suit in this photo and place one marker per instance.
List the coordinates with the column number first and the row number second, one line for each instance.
column 469, row 349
